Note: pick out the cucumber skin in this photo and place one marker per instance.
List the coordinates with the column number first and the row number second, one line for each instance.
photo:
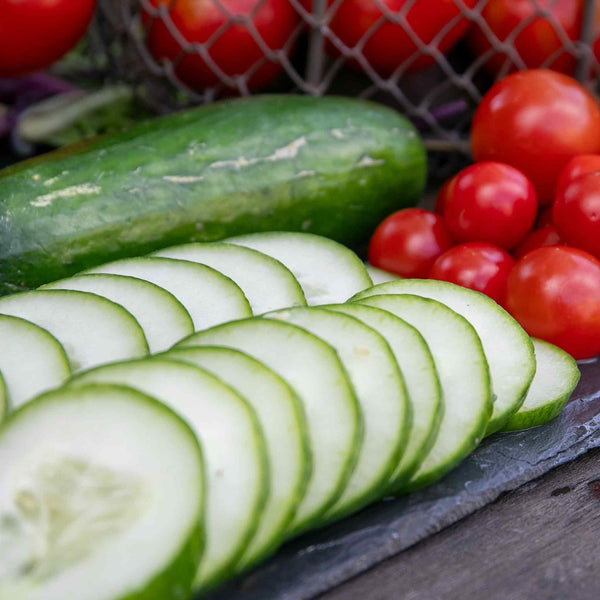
column 331, row 166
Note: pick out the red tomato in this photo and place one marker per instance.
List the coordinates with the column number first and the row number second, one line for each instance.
column 477, row 266
column 536, row 121
column 576, row 213
column 440, row 202
column 491, row 202
column 232, row 49
column 36, row 33
column 576, row 167
column 554, row 293
column 538, row 238
column 408, row 242
column 438, row 23
column 533, row 35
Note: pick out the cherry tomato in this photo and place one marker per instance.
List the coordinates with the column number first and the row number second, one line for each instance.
column 408, row 242
column 491, row 202
column 531, row 34
column 576, row 213
column 576, row 167
column 36, row 33
column 232, row 48
column 536, row 121
column 438, row 23
column 442, row 196
column 554, row 293
column 477, row 266
column 538, row 238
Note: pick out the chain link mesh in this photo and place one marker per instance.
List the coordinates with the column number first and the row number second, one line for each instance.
column 318, row 57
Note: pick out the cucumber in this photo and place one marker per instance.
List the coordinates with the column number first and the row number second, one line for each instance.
column 92, row 330
column 236, row 468
column 421, row 378
column 556, row 376
column 327, row 271
column 314, row 371
column 209, row 297
column 101, row 497
column 508, row 348
column 3, row 398
column 331, row 166
column 380, row 276
column 267, row 284
column 31, row 361
column 464, row 377
column 282, row 419
column 379, row 386
column 162, row 317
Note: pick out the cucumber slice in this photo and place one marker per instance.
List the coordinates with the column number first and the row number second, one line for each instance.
column 327, row 271
column 234, row 451
column 3, row 398
column 101, row 497
column 162, row 317
column 209, row 297
column 379, row 386
column 507, row 347
column 282, row 419
column 421, row 378
column 464, row 377
column 31, row 360
column 92, row 330
column 267, row 284
column 556, row 376
column 314, row 371
column 380, row 276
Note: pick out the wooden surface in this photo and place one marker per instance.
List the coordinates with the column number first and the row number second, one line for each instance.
column 541, row 542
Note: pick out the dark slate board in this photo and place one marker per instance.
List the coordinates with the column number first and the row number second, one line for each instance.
column 321, row 560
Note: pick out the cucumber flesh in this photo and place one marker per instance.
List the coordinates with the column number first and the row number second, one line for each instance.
column 312, row 368
column 380, row 276
column 233, row 446
column 92, row 330
column 379, row 386
column 282, row 419
column 421, row 378
column 162, row 317
column 101, row 497
column 31, row 361
column 267, row 284
column 209, row 297
column 328, row 272
column 556, row 377
column 464, row 377
column 507, row 347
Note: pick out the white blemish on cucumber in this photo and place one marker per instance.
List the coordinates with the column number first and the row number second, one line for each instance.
column 75, row 190
column 183, row 178
column 302, row 174
column 367, row 161
column 51, row 181
column 337, row 133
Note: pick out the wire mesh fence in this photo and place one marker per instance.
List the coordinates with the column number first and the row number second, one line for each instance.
column 432, row 59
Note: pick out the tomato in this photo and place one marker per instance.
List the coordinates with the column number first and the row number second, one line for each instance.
column 438, row 23
column 576, row 167
column 536, row 121
column 408, row 242
column 231, row 47
column 442, row 196
column 554, row 293
column 36, row 33
column 491, row 202
column 534, row 36
column 538, row 238
column 576, row 213
column 477, row 266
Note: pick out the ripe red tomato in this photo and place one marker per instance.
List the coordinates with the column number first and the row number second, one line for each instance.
column 536, row 121
column 36, row 33
column 576, row 167
column 231, row 47
column 477, row 266
column 408, row 242
column 442, row 196
column 533, row 35
column 491, row 202
column 538, row 238
column 554, row 293
column 576, row 213
column 438, row 23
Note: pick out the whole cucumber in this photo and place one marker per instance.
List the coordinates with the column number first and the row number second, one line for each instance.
column 330, row 166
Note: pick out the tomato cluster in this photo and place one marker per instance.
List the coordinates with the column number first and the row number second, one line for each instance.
column 522, row 224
